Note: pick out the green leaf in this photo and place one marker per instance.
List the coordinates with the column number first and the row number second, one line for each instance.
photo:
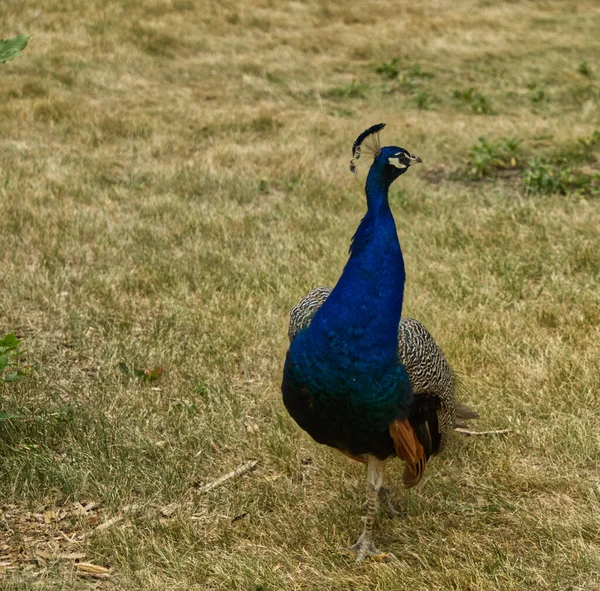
column 4, row 416
column 3, row 362
column 9, row 341
column 13, row 376
column 11, row 48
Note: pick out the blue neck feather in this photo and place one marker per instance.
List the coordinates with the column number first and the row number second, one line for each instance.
column 361, row 316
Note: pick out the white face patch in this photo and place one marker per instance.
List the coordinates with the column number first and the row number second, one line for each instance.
column 395, row 161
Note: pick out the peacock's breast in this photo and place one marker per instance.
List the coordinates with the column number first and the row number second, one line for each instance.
column 347, row 405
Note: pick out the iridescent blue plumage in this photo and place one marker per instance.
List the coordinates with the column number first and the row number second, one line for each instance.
column 343, row 381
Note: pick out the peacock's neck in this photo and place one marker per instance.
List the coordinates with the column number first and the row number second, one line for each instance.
column 367, row 300
column 377, row 188
column 376, row 263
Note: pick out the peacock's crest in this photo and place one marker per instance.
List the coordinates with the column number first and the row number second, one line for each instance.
column 367, row 141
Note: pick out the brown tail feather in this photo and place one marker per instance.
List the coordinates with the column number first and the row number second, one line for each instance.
column 408, row 448
column 412, row 474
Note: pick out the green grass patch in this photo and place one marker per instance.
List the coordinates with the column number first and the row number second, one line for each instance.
column 542, row 176
column 474, row 100
column 353, row 90
column 489, row 157
column 558, row 170
column 389, row 69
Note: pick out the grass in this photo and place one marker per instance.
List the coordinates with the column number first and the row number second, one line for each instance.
column 561, row 171
column 173, row 178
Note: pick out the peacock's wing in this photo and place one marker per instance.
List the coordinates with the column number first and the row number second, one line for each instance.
column 303, row 312
column 430, row 376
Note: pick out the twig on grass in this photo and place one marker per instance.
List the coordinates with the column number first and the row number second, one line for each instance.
column 496, row 432
column 128, row 509
column 233, row 474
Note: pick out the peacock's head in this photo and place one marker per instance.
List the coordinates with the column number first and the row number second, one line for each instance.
column 391, row 161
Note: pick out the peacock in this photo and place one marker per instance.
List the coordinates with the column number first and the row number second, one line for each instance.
column 357, row 376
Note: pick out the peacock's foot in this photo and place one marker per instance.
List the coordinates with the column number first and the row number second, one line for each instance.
column 365, row 547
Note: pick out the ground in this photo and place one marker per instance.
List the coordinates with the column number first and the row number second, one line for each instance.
column 174, row 178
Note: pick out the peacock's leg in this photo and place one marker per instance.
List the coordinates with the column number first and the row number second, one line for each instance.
column 384, row 501
column 364, row 546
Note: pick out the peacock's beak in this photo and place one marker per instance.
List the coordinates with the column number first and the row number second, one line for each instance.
column 415, row 160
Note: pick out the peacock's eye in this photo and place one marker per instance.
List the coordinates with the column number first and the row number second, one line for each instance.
column 403, row 160
column 396, row 161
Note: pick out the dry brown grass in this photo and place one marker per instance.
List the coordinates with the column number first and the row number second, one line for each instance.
column 174, row 177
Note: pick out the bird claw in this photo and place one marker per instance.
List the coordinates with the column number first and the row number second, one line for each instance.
column 365, row 547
